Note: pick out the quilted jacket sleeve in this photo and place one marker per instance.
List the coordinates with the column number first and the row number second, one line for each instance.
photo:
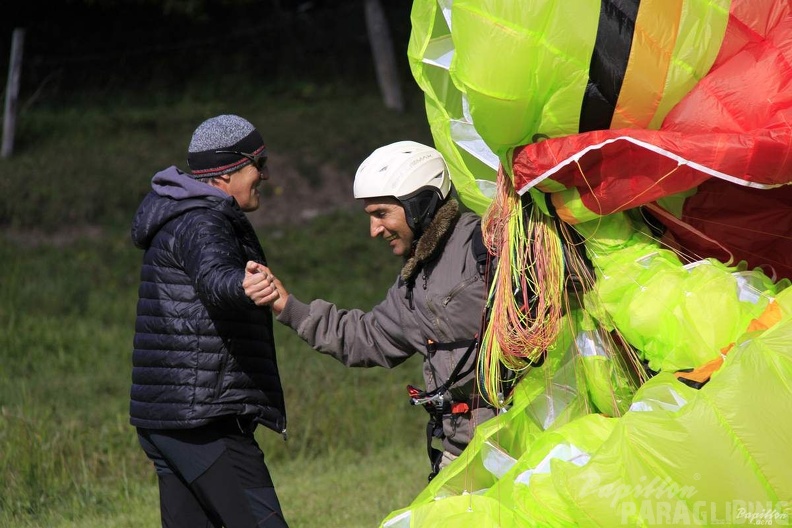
column 214, row 260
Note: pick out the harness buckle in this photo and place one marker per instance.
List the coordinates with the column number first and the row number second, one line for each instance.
column 418, row 397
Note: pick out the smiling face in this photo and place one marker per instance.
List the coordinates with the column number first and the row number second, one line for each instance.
column 243, row 185
column 387, row 219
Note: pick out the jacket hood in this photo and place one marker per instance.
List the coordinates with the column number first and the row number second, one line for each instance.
column 173, row 193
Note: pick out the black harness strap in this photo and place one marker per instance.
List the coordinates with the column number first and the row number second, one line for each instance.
column 433, row 401
column 432, row 347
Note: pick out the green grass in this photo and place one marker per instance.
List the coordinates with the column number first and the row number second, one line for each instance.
column 92, row 164
column 68, row 456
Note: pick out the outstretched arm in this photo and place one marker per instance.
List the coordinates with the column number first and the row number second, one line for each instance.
column 354, row 337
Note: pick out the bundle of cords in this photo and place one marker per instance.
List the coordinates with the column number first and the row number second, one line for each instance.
column 525, row 302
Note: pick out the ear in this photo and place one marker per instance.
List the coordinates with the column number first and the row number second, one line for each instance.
column 222, row 182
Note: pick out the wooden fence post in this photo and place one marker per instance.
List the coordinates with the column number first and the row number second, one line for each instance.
column 12, row 92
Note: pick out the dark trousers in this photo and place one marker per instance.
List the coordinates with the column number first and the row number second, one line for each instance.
column 212, row 477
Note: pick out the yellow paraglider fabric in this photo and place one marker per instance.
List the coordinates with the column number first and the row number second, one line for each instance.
column 718, row 455
column 678, row 316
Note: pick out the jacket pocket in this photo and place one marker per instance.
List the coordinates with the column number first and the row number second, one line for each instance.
column 458, row 288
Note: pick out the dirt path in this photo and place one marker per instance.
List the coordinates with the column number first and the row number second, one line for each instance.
column 294, row 200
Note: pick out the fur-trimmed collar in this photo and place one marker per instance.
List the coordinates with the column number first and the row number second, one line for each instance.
column 433, row 239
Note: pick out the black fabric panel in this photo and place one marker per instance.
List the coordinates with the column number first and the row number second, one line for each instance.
column 608, row 63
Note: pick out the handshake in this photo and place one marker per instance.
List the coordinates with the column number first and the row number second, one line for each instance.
column 263, row 288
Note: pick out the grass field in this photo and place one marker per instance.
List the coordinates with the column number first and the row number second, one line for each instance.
column 68, row 286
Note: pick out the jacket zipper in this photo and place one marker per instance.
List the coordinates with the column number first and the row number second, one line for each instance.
column 459, row 287
column 221, row 378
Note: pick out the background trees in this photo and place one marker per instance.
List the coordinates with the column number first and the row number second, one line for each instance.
column 82, row 48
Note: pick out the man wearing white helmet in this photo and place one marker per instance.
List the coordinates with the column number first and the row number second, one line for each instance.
column 436, row 304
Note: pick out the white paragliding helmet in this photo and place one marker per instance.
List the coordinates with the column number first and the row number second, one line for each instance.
column 414, row 174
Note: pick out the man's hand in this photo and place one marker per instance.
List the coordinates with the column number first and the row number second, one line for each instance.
column 263, row 288
column 283, row 296
column 258, row 284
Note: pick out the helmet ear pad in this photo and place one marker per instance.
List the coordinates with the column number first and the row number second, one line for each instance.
column 420, row 208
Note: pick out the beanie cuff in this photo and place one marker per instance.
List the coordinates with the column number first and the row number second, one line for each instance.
column 219, row 161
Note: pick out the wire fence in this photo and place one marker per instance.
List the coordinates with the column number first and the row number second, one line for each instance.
column 90, row 51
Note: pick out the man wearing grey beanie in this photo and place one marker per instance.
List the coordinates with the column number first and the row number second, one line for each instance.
column 204, row 370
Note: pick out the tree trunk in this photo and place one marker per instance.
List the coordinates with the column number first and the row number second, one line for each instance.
column 384, row 57
column 12, row 93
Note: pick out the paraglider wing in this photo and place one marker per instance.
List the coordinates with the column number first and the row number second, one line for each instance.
column 659, row 132
column 727, row 144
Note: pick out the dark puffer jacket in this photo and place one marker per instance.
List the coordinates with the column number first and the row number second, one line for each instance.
column 202, row 349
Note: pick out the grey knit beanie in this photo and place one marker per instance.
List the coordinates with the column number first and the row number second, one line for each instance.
column 218, row 145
